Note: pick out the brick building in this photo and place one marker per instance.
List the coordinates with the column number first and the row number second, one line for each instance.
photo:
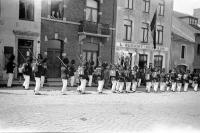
column 77, row 27
column 19, row 30
column 133, row 35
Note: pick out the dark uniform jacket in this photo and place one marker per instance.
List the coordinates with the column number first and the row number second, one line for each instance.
column 65, row 72
column 10, row 67
column 27, row 69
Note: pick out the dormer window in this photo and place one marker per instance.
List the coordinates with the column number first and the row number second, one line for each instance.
column 193, row 21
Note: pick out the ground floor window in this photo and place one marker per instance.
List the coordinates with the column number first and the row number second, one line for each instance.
column 90, row 56
column 158, row 60
column 142, row 61
column 8, row 51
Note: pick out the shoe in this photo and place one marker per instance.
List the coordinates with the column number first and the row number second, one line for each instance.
column 37, row 93
column 100, row 92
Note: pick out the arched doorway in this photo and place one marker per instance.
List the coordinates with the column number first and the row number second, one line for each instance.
column 53, row 64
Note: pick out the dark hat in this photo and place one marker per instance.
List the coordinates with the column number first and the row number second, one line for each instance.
column 72, row 61
column 92, row 63
column 66, row 60
column 12, row 57
column 40, row 56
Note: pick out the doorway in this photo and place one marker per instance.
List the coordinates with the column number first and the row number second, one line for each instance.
column 53, row 64
column 142, row 61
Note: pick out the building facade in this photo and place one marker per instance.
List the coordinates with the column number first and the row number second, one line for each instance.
column 133, row 34
column 77, row 27
column 185, row 38
column 20, row 26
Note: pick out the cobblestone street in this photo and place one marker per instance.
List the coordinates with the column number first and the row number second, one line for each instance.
column 20, row 110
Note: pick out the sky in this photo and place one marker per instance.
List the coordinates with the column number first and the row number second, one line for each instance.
column 186, row 6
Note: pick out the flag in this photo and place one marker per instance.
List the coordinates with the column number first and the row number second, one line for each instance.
column 153, row 29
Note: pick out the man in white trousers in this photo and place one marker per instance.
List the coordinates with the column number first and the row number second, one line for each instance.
column 72, row 73
column 10, row 70
column 121, row 79
column 37, row 68
column 179, row 81
column 64, row 75
column 91, row 71
column 162, row 80
column 27, row 71
column 113, row 78
column 196, row 80
column 186, row 80
column 44, row 72
column 134, row 79
column 148, row 79
column 173, row 80
column 128, row 79
column 83, row 75
column 155, row 76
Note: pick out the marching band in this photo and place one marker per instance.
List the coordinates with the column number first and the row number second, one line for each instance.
column 122, row 78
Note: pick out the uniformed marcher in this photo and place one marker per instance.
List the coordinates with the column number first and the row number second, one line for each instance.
column 148, row 79
column 27, row 71
column 83, row 75
column 121, row 79
column 37, row 68
column 155, row 78
column 128, row 79
column 134, row 78
column 173, row 80
column 91, row 71
column 168, row 81
column 65, row 75
column 43, row 72
column 113, row 78
column 186, row 80
column 100, row 77
column 72, row 73
column 10, row 70
column 195, row 81
column 162, row 80
column 179, row 80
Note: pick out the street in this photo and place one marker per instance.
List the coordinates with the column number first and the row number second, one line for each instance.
column 20, row 110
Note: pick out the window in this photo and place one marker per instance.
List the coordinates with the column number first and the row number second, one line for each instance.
column 183, row 52
column 127, row 30
column 198, row 49
column 26, row 10
column 129, row 4
column 193, row 21
column 158, row 60
column 146, row 6
column 159, row 34
column 57, row 9
column 145, row 32
column 92, row 10
column 161, row 8
column 142, row 61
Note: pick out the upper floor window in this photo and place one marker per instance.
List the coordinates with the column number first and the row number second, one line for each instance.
column 92, row 10
column 145, row 32
column 26, row 10
column 161, row 8
column 57, row 9
column 159, row 34
column 127, row 30
column 183, row 51
column 146, row 6
column 198, row 49
column 158, row 60
column 129, row 4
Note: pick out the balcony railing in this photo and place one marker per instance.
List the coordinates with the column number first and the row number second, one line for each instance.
column 95, row 28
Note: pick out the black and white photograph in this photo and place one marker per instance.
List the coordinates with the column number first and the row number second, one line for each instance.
column 100, row 66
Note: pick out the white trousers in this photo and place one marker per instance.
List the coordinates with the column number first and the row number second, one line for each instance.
column 148, row 86
column 26, row 81
column 179, row 86
column 195, row 86
column 162, row 86
column 72, row 79
column 168, row 88
column 121, row 86
column 186, row 86
column 37, row 84
column 64, row 87
column 155, row 86
column 128, row 86
column 173, row 86
column 10, row 79
column 90, row 80
column 117, row 86
column 114, row 84
column 139, row 82
column 100, row 85
column 134, row 86
column 42, row 81
column 83, row 85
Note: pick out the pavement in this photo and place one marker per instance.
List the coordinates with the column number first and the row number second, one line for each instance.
column 21, row 111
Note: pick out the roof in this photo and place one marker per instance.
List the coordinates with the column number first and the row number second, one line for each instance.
column 183, row 29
